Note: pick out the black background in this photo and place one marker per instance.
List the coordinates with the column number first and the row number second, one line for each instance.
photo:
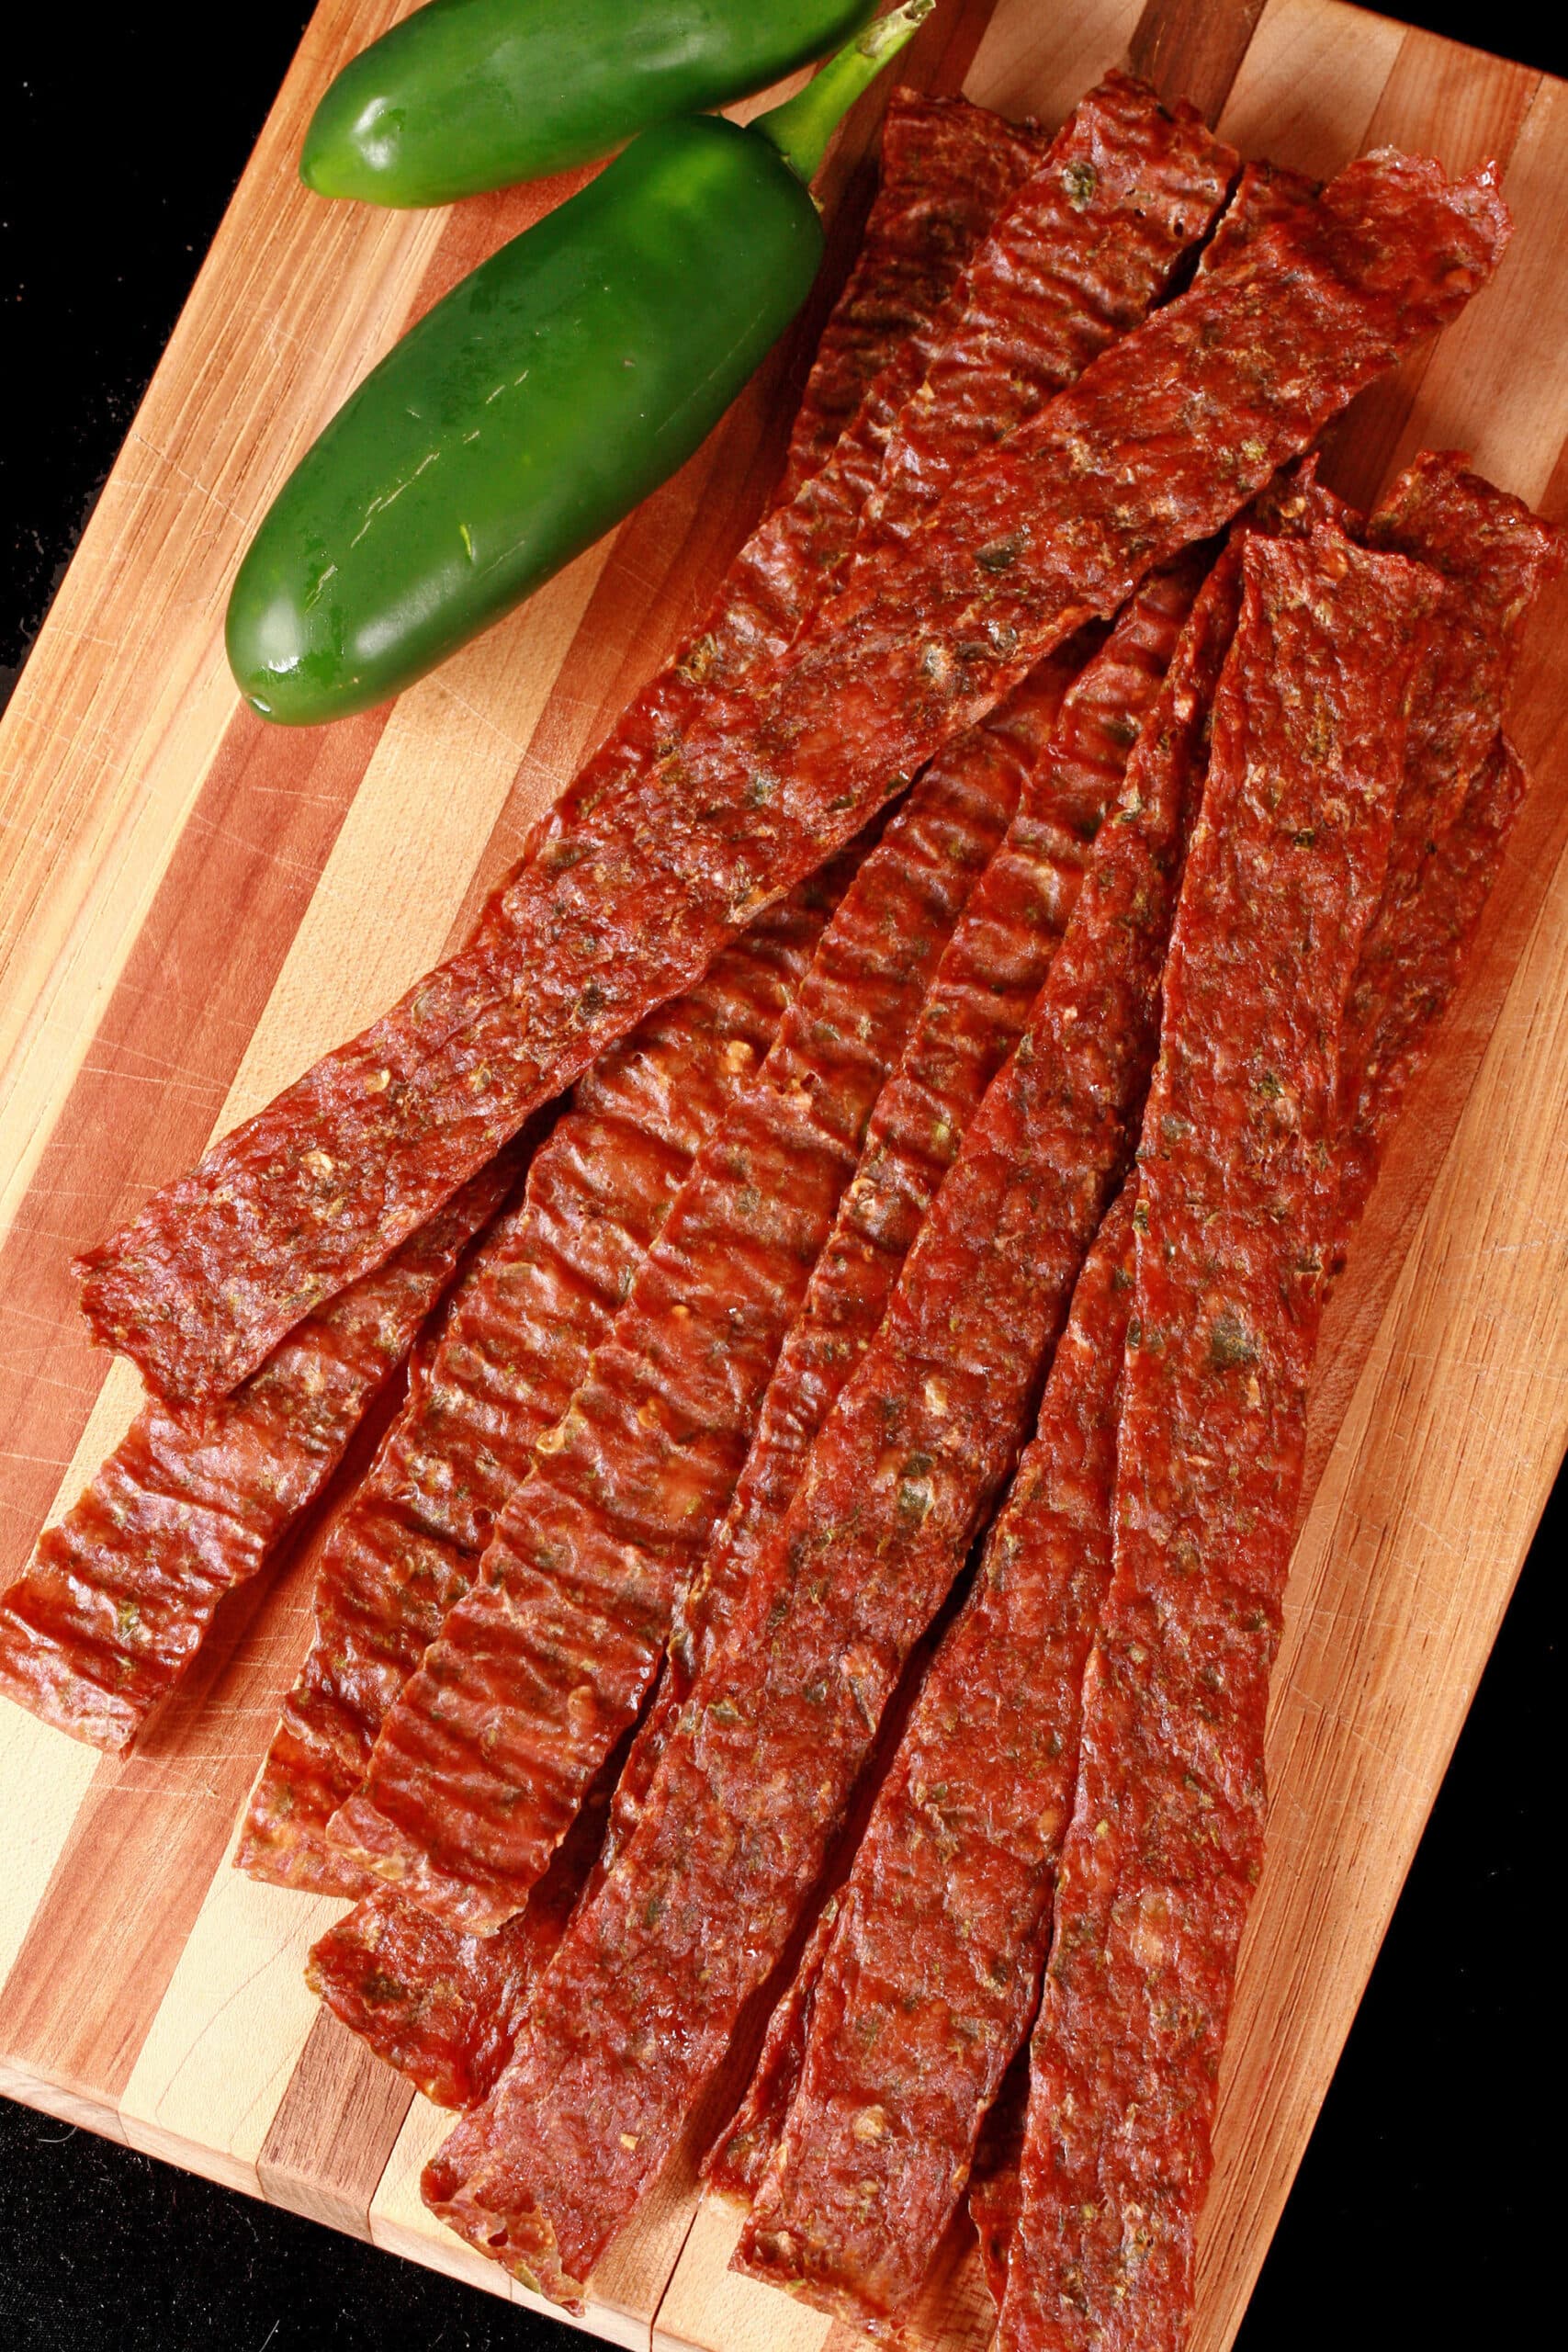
column 1423, row 2210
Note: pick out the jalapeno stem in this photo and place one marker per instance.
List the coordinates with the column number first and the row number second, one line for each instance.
column 802, row 127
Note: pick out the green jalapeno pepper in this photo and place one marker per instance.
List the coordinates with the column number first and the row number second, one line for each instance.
column 534, row 406
column 468, row 94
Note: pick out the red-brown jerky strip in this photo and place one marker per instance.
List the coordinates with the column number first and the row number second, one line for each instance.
column 116, row 1599
column 1110, row 258
column 637, row 2009
column 482, row 1764
column 947, row 167
column 630, row 887
column 1128, row 188
column 931, row 1970
column 1236, row 1216
column 535, row 1301
column 971, row 1021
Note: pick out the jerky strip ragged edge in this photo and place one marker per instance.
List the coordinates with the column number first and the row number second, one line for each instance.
column 118, row 1598
column 946, row 165
column 1236, row 1212
column 636, row 2010
column 1128, row 188
column 626, row 893
column 482, row 1763
column 535, row 1300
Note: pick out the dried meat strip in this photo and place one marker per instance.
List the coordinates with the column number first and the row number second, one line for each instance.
column 1494, row 553
column 1128, row 188
column 116, row 1599
column 484, row 1763
column 636, row 2010
column 931, row 1969
column 630, row 887
column 947, row 166
column 1235, row 1215
column 538, row 1296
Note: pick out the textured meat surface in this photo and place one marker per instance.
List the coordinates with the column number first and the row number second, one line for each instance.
column 1083, row 251
column 483, row 1761
column 116, row 1599
column 535, row 1300
column 933, row 1968
column 636, row 2011
column 1071, row 767
column 947, row 166
column 1235, row 1220
column 629, row 887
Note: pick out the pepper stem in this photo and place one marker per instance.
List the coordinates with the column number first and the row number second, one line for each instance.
column 802, row 127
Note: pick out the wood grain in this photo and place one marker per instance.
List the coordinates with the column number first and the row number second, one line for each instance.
column 193, row 905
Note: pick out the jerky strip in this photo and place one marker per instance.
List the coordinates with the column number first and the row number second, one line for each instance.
column 116, row 1599
column 1128, row 188
column 1236, row 1210
column 1495, row 553
column 933, row 1967
column 947, row 167
column 535, row 1303
column 484, row 1763
column 637, row 2009
column 629, row 887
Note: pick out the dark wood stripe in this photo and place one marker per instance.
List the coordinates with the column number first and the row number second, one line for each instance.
column 328, row 2145
column 1194, row 48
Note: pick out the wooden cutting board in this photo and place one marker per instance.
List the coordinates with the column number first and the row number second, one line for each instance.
column 193, row 907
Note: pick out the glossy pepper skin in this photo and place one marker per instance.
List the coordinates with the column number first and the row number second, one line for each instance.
column 552, row 390
column 469, row 95
column 522, row 417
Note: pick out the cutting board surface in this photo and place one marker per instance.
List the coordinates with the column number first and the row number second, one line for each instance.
column 193, row 907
